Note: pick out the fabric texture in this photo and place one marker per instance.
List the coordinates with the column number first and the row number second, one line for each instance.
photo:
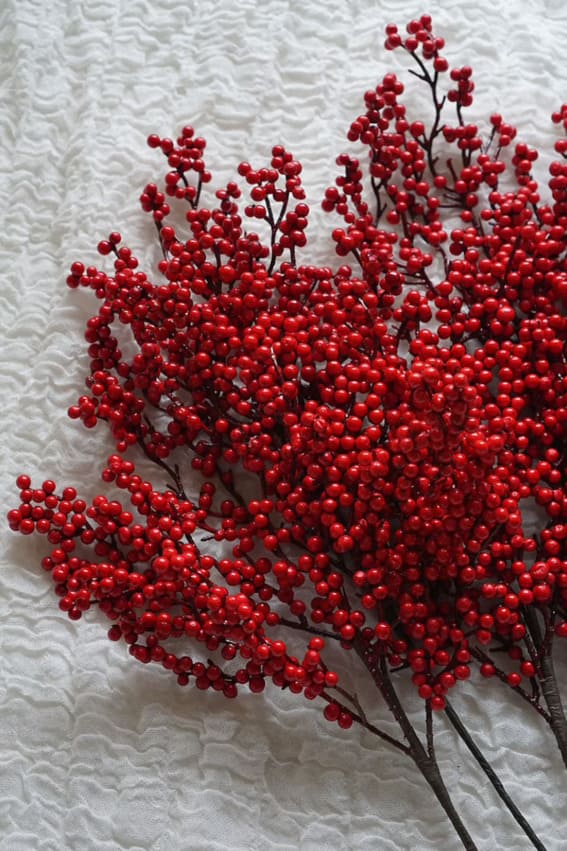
column 99, row 752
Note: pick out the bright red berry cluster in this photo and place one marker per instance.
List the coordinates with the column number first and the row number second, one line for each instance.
column 369, row 438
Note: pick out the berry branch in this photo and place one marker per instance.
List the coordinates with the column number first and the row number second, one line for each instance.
column 366, row 438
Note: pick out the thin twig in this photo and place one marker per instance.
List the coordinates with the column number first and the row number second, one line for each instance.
column 492, row 776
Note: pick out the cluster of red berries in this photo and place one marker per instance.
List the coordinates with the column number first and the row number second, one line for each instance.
column 368, row 437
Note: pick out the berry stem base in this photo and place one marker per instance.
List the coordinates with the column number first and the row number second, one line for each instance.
column 548, row 683
column 424, row 759
column 492, row 776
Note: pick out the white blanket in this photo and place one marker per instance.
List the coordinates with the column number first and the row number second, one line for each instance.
column 97, row 751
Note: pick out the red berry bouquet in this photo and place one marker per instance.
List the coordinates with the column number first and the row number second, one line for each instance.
column 367, row 438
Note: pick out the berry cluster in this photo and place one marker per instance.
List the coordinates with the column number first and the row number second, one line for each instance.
column 368, row 437
column 395, row 424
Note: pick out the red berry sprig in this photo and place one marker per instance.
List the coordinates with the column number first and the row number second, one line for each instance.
column 368, row 438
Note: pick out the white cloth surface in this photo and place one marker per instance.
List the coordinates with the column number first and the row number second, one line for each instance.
column 97, row 751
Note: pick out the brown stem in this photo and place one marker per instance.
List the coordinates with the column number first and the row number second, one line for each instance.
column 548, row 680
column 361, row 719
column 429, row 729
column 274, row 225
column 426, row 762
column 503, row 677
column 304, row 626
column 438, row 104
column 492, row 776
column 176, row 483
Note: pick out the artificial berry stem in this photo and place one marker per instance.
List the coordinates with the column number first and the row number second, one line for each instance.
column 423, row 758
column 493, row 778
column 360, row 718
column 428, row 140
column 548, row 683
column 532, row 700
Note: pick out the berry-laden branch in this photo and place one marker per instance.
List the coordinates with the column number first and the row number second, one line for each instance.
column 364, row 440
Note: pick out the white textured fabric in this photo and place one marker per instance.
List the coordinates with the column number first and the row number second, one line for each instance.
column 96, row 751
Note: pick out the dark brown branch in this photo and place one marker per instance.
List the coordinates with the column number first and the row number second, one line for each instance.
column 492, row 776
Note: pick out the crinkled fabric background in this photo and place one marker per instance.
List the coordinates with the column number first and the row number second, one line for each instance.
column 98, row 752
